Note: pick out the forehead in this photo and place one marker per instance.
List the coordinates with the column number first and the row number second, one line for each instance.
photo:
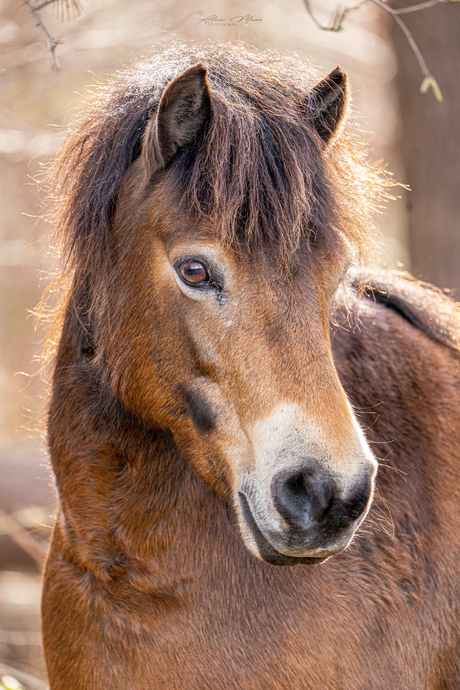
column 184, row 234
column 171, row 216
column 159, row 210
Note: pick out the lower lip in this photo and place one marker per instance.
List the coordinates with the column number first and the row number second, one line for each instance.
column 267, row 552
column 281, row 559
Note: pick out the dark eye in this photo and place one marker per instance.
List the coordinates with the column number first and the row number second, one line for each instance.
column 194, row 273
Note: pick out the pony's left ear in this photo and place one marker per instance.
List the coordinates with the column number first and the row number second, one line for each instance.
column 327, row 104
column 183, row 109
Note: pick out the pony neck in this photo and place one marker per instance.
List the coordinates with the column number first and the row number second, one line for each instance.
column 128, row 498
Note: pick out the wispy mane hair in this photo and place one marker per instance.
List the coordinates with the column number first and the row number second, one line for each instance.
column 258, row 170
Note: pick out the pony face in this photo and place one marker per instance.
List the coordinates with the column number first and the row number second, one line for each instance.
column 233, row 356
column 225, row 249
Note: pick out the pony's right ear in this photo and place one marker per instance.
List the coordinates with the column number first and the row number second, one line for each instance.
column 183, row 109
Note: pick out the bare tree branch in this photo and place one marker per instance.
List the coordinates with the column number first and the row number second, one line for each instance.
column 43, row 4
column 339, row 16
column 64, row 9
column 51, row 42
column 421, row 6
column 429, row 80
column 22, row 538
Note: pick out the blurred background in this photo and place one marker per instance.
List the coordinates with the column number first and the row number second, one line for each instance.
column 414, row 135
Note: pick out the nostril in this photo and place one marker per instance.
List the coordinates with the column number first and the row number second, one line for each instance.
column 296, row 486
column 302, row 497
column 359, row 499
column 306, row 496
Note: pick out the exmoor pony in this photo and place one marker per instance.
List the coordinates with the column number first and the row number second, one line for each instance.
column 225, row 383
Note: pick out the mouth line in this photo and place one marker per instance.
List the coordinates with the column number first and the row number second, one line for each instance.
column 267, row 552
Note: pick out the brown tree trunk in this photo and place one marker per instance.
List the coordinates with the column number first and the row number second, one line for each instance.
column 431, row 142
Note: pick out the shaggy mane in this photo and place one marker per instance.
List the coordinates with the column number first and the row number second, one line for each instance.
column 258, row 170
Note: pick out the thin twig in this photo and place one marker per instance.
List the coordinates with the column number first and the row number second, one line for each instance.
column 25, row 540
column 421, row 6
column 337, row 18
column 429, row 80
column 51, row 42
column 43, row 4
column 410, row 38
column 337, row 25
column 31, row 517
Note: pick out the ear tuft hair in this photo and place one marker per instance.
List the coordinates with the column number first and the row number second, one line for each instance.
column 327, row 104
column 183, row 109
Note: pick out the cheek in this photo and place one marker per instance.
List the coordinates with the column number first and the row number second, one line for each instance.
column 210, row 434
column 146, row 355
column 202, row 411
